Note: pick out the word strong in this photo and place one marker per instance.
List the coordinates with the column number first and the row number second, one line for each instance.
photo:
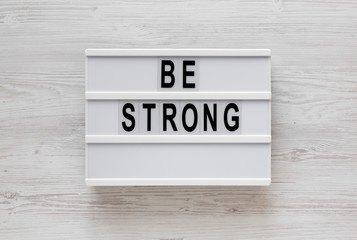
column 178, row 117
column 189, row 116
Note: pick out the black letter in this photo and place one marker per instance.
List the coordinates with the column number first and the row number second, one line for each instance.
column 234, row 119
column 207, row 114
column 194, row 110
column 169, row 117
column 149, row 106
column 128, row 116
column 188, row 73
column 167, row 73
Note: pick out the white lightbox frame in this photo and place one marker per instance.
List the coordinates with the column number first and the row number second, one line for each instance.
column 167, row 139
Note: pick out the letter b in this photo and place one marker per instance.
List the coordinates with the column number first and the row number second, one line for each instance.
column 167, row 73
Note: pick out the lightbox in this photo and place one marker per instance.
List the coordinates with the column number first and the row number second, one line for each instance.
column 178, row 117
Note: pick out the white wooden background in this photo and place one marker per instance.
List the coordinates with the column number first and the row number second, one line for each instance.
column 314, row 120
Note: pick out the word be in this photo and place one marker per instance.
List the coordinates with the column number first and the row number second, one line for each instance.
column 168, row 72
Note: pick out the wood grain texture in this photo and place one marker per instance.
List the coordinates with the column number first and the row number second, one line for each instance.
column 314, row 112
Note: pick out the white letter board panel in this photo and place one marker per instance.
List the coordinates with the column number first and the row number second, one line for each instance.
column 178, row 117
